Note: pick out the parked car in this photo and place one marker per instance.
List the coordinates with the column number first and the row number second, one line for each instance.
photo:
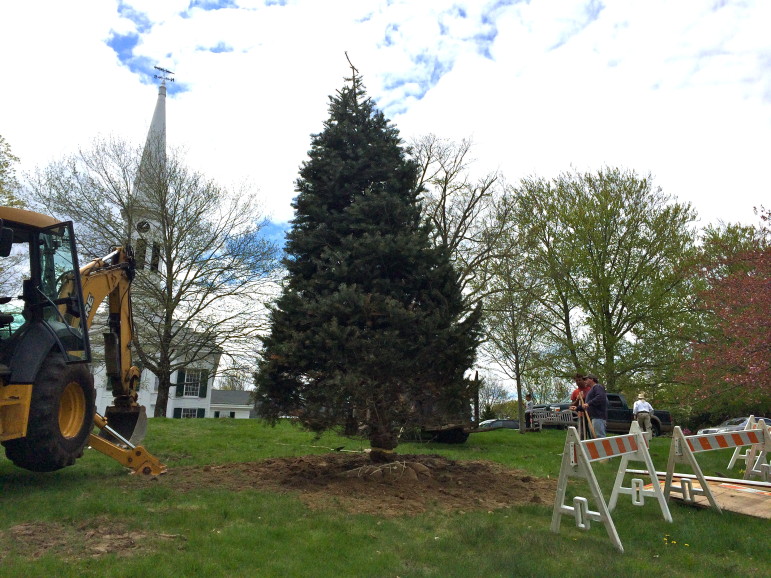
column 733, row 424
column 619, row 415
column 498, row 424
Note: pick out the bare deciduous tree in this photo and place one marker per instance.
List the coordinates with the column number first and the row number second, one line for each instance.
column 210, row 267
column 9, row 185
column 492, row 391
column 460, row 207
column 236, row 380
column 514, row 323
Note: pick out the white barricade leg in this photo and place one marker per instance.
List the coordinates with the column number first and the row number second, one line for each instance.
column 738, row 455
column 680, row 453
column 636, row 490
column 758, row 464
column 576, row 463
column 752, row 457
column 765, row 471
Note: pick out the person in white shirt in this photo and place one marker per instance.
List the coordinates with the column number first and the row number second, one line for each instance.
column 642, row 411
column 529, row 410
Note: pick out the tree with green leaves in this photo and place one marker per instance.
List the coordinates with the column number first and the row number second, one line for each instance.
column 609, row 251
column 370, row 329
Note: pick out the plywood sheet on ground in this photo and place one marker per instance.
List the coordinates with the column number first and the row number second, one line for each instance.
column 735, row 497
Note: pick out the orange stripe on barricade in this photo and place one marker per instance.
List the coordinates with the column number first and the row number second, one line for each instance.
column 627, row 443
column 592, row 449
column 708, row 442
column 609, row 447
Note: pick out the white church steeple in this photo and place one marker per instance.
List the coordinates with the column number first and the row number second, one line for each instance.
column 149, row 181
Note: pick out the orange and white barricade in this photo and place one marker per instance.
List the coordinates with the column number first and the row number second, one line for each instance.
column 577, row 458
column 684, row 447
column 747, row 456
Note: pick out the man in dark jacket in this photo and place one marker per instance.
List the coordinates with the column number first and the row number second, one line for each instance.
column 597, row 405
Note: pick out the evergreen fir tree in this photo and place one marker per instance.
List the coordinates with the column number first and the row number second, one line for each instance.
column 370, row 329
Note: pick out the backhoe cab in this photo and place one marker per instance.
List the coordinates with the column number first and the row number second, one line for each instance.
column 47, row 396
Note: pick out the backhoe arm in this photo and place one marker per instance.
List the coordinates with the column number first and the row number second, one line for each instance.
column 110, row 278
column 124, row 422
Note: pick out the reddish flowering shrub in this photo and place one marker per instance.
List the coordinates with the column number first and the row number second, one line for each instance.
column 731, row 364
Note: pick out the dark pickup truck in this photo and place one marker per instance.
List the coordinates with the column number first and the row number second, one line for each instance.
column 619, row 415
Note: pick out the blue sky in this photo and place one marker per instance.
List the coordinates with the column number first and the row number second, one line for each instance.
column 678, row 89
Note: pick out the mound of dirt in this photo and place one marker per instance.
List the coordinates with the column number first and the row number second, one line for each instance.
column 411, row 485
column 340, row 480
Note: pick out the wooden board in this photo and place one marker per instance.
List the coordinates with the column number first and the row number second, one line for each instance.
column 750, row 500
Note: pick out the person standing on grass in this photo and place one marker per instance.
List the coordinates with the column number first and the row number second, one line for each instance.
column 597, row 405
column 529, row 410
column 642, row 411
column 577, row 399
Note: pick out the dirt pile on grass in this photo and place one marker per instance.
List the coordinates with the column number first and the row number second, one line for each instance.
column 408, row 486
column 340, row 480
column 92, row 538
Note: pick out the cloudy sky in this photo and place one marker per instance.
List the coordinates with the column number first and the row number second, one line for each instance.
column 678, row 89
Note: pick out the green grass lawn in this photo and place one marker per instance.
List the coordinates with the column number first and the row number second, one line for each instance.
column 216, row 532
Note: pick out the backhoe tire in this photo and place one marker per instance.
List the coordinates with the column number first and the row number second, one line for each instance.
column 61, row 416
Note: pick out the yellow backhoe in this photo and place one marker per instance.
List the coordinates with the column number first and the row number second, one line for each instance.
column 47, row 396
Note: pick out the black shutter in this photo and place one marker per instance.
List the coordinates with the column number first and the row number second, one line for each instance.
column 140, row 254
column 155, row 257
column 204, row 383
column 180, row 383
column 201, row 412
column 177, row 412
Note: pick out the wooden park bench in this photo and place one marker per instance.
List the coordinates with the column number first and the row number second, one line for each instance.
column 545, row 417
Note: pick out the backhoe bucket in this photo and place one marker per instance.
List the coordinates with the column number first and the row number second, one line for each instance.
column 129, row 422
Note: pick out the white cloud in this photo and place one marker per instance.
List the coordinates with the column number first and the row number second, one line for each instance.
column 682, row 90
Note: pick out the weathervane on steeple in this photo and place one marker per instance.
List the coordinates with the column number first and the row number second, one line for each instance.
column 166, row 75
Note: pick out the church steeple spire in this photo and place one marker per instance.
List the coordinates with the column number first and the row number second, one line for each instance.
column 149, row 181
column 155, row 145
